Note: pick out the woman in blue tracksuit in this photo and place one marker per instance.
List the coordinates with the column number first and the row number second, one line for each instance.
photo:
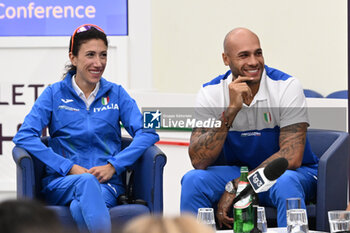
column 83, row 113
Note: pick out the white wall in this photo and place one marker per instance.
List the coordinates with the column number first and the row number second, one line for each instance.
column 307, row 39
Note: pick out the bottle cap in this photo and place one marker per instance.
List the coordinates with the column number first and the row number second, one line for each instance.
column 244, row 169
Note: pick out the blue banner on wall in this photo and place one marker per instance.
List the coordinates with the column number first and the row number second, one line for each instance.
column 61, row 17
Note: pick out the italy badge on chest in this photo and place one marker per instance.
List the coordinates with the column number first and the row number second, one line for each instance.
column 105, row 100
column 267, row 117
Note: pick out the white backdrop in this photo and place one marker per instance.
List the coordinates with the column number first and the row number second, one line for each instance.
column 307, row 39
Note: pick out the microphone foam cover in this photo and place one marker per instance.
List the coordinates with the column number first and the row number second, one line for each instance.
column 275, row 168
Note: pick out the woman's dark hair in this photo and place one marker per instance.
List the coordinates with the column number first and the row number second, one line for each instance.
column 79, row 39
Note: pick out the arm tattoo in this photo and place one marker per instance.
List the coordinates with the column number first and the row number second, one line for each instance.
column 292, row 142
column 206, row 143
column 207, row 139
column 292, row 138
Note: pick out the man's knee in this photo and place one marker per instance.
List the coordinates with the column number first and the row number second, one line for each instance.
column 194, row 177
column 194, row 181
column 288, row 185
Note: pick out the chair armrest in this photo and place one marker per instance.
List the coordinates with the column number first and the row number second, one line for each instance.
column 148, row 178
column 25, row 173
column 332, row 183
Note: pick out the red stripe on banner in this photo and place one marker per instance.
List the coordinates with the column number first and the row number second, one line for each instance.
column 172, row 143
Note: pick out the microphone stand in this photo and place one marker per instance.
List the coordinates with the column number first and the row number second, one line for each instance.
column 255, row 199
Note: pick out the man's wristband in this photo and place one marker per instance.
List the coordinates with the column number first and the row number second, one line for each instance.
column 225, row 120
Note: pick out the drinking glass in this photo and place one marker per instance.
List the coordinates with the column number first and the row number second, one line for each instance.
column 296, row 217
column 293, row 203
column 339, row 220
column 261, row 219
column 206, row 216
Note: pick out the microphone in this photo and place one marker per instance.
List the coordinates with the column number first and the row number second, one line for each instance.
column 263, row 178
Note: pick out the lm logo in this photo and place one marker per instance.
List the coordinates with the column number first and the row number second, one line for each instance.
column 151, row 120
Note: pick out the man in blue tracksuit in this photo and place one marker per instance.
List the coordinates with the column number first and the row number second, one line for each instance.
column 84, row 158
column 264, row 117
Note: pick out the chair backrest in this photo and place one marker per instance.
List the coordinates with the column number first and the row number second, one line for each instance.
column 39, row 172
column 312, row 93
column 321, row 140
column 338, row 95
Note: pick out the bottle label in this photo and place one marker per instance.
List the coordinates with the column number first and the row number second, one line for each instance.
column 246, row 201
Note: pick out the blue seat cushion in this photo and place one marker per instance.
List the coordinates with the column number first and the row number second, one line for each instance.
column 63, row 214
column 123, row 213
column 119, row 214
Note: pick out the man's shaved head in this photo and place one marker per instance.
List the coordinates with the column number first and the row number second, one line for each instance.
column 235, row 36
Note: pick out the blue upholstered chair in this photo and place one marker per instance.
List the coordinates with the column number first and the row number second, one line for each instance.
column 148, row 184
column 338, row 95
column 312, row 94
column 332, row 147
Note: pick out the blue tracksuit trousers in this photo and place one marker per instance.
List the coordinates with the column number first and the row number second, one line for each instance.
column 87, row 198
column 203, row 188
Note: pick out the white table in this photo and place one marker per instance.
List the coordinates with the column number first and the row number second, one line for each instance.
column 269, row 230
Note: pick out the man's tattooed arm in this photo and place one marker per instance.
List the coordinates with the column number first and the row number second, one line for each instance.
column 292, row 143
column 206, row 145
